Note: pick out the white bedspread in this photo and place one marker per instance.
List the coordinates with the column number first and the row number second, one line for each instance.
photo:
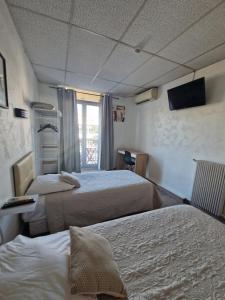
column 173, row 253
column 36, row 269
column 103, row 195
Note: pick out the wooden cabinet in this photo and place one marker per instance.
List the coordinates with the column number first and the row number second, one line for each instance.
column 141, row 160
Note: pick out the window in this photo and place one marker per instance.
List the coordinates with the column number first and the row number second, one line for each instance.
column 89, row 132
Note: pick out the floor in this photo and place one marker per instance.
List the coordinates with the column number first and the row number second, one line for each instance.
column 167, row 198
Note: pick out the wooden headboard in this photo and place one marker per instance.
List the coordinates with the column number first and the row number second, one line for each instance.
column 24, row 174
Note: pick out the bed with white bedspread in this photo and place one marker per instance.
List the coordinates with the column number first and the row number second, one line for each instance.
column 171, row 253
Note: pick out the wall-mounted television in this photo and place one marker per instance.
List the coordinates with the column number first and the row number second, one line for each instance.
column 187, row 95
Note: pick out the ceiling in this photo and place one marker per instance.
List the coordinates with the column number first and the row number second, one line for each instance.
column 90, row 44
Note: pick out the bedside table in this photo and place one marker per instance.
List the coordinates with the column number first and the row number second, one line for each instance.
column 18, row 210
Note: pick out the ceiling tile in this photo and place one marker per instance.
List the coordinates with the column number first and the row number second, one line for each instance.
column 170, row 76
column 208, row 58
column 123, row 61
column 151, row 70
column 82, row 81
column 87, row 51
column 49, row 75
column 124, row 90
column 44, row 39
column 102, row 85
column 203, row 36
column 54, row 8
column 105, row 16
column 161, row 21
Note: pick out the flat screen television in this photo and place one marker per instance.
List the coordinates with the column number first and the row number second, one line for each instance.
column 187, row 95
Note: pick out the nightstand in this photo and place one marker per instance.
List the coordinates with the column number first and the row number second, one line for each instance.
column 18, row 210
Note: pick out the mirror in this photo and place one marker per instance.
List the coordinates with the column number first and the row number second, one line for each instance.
column 3, row 84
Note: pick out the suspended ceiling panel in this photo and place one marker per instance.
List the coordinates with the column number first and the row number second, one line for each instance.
column 161, row 21
column 49, row 75
column 107, row 17
column 78, row 80
column 102, row 85
column 85, row 82
column 94, row 41
column 171, row 75
column 122, row 89
column 208, row 58
column 45, row 40
column 151, row 70
column 59, row 9
column 87, row 51
column 203, row 36
column 122, row 62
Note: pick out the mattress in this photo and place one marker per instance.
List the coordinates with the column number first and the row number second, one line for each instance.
column 171, row 253
column 103, row 195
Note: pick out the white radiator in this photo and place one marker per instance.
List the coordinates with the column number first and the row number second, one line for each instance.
column 209, row 187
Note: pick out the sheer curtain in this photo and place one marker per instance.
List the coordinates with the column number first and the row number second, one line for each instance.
column 107, row 134
column 69, row 131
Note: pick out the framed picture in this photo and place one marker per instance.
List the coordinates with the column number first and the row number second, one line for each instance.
column 3, row 84
column 119, row 113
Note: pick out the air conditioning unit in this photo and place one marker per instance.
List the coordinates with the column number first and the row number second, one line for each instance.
column 149, row 95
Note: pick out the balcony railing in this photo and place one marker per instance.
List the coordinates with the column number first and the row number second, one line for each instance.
column 89, row 153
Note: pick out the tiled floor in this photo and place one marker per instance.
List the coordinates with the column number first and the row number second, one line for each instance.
column 167, row 198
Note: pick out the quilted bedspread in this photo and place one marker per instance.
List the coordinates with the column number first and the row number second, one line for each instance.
column 172, row 253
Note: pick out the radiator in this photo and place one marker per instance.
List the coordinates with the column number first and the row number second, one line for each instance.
column 209, row 187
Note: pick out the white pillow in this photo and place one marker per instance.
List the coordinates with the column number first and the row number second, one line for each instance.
column 70, row 178
column 47, row 184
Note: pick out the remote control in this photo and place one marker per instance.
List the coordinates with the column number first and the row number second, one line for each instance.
column 17, row 203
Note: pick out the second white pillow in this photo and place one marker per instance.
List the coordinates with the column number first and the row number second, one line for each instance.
column 70, row 179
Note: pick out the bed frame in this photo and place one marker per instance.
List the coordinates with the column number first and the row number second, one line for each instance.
column 24, row 174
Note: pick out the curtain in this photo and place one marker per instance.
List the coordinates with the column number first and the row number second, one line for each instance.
column 107, row 134
column 69, row 131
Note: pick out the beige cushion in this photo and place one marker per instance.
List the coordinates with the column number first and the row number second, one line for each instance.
column 92, row 268
column 70, row 179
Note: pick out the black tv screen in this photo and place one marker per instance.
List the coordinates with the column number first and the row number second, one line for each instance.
column 187, row 95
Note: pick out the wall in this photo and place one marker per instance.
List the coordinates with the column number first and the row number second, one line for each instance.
column 174, row 138
column 15, row 134
column 124, row 133
column 48, row 95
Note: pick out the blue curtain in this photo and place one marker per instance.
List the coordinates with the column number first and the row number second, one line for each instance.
column 69, row 131
column 107, row 134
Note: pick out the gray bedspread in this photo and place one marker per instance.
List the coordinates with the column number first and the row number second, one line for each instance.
column 103, row 195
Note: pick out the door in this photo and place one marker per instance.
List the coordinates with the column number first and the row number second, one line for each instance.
column 89, row 134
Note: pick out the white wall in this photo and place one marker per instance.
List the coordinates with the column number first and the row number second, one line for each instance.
column 48, row 95
column 15, row 133
column 174, row 138
column 124, row 132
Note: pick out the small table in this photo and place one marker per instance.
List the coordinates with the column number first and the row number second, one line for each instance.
column 18, row 210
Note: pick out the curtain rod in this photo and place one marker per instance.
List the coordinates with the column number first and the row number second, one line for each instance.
column 55, row 87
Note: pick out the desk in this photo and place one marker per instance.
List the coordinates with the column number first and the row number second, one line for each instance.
column 141, row 160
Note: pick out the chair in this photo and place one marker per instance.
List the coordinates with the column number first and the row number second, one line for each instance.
column 129, row 161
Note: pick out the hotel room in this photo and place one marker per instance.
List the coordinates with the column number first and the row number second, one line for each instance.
column 112, row 164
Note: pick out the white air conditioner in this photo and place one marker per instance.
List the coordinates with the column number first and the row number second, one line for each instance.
column 149, row 95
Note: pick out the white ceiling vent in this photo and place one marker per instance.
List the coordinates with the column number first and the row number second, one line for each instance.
column 149, row 95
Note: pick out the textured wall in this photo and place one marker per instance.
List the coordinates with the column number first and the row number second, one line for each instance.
column 174, row 138
column 15, row 134
column 124, row 132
